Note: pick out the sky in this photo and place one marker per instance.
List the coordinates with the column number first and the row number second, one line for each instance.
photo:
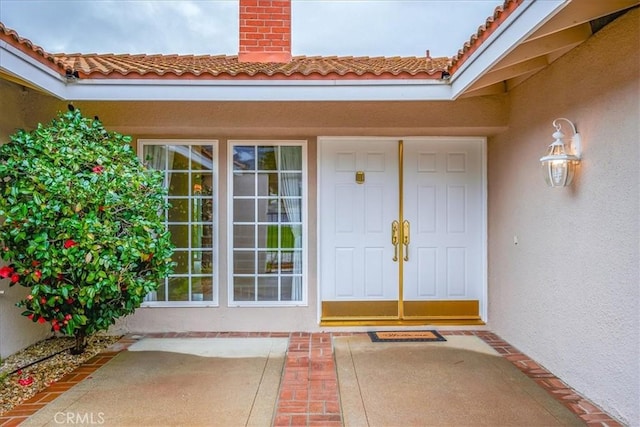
column 319, row 27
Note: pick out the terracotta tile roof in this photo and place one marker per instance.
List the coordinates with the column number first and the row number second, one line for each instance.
column 484, row 31
column 227, row 67
column 105, row 66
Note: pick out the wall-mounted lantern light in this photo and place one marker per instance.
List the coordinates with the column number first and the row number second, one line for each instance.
column 560, row 163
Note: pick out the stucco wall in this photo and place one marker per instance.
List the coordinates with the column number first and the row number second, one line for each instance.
column 16, row 332
column 568, row 293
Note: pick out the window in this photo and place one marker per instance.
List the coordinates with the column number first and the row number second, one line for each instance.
column 190, row 175
column 268, row 214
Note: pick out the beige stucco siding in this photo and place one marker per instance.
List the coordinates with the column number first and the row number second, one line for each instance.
column 16, row 332
column 567, row 294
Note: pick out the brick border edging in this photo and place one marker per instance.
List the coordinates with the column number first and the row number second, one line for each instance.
column 586, row 410
column 308, row 392
column 29, row 407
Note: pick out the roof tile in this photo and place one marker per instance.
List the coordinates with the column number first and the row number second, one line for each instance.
column 223, row 66
column 500, row 14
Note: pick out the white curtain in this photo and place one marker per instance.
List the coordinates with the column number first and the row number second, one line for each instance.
column 290, row 159
column 158, row 157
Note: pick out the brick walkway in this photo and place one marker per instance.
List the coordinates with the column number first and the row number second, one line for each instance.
column 309, row 393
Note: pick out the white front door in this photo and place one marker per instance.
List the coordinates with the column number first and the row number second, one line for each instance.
column 402, row 229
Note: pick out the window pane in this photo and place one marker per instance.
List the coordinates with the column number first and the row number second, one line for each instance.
column 179, row 210
column 268, row 289
column 291, row 184
column 201, row 236
column 291, row 210
column 243, row 236
column 201, row 157
column 202, row 262
column 244, row 158
column 244, row 289
column 207, row 211
column 161, row 293
column 267, row 262
column 291, row 158
column 178, row 156
column 178, row 289
column 179, row 235
column 296, row 259
column 155, row 156
column 244, row 184
column 286, row 288
column 268, row 210
column 267, row 184
column 244, row 262
column 201, row 184
column 178, row 183
column 267, row 158
column 181, row 258
column 201, row 289
column 244, row 210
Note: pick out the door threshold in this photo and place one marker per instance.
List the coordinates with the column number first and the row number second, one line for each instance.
column 416, row 321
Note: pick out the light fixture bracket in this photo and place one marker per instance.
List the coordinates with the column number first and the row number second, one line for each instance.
column 575, row 143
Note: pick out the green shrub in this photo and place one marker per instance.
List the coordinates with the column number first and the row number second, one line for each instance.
column 83, row 225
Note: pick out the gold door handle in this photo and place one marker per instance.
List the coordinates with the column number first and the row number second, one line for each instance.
column 395, row 238
column 405, row 239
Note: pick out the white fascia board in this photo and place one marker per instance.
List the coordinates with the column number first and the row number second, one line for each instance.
column 257, row 90
column 522, row 22
column 17, row 63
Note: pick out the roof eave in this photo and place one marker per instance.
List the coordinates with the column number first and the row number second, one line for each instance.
column 34, row 73
column 522, row 22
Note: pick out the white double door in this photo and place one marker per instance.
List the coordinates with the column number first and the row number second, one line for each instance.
column 401, row 221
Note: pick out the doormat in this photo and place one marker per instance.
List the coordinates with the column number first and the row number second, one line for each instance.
column 406, row 336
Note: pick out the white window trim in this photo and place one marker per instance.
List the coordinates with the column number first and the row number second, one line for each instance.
column 305, row 223
column 216, row 221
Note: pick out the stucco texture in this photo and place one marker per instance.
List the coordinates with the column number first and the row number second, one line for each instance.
column 567, row 294
column 16, row 332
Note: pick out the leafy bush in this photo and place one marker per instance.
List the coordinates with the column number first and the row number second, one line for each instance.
column 83, row 225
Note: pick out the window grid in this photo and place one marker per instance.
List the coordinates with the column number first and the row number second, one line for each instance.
column 192, row 213
column 269, row 260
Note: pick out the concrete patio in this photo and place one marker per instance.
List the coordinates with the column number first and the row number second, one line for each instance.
column 323, row 379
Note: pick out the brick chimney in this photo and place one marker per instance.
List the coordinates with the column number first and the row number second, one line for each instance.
column 265, row 31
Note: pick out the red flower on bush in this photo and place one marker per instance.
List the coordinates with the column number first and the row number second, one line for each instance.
column 69, row 244
column 6, row 271
column 42, row 320
column 98, row 169
column 15, row 278
column 25, row 381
